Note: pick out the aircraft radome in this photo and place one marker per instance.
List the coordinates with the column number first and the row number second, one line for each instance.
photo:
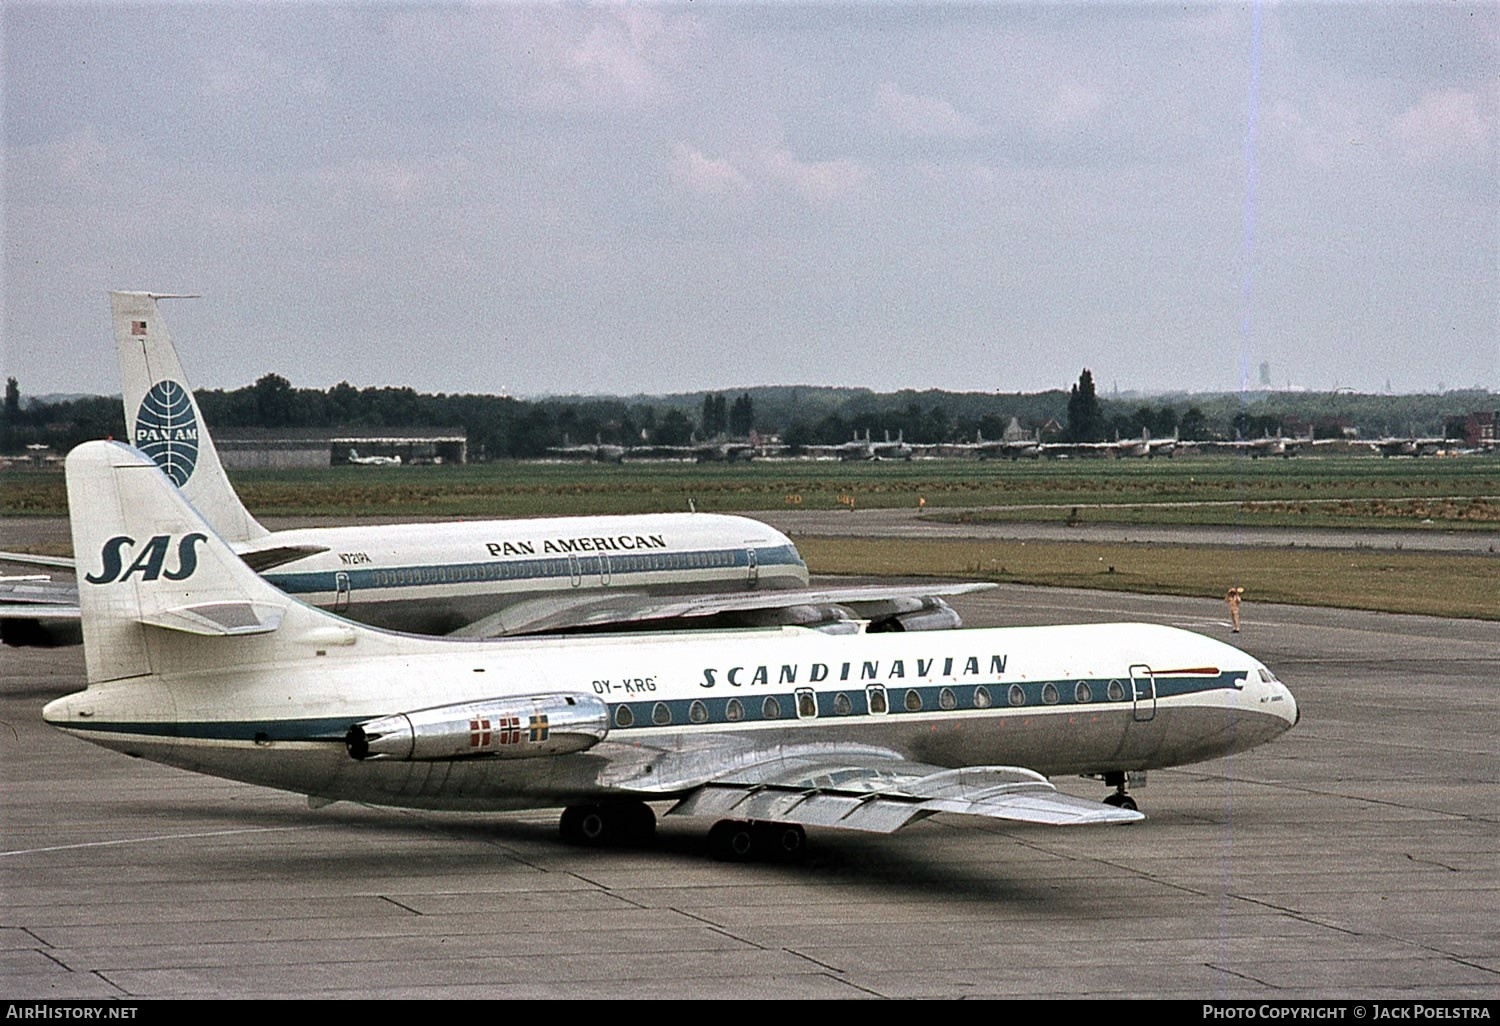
column 195, row 661
column 482, row 578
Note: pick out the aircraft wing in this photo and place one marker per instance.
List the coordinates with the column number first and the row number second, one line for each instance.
column 36, row 610
column 909, row 606
column 856, row 787
column 30, row 559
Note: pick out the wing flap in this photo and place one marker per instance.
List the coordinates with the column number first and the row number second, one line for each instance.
column 810, row 808
column 882, row 796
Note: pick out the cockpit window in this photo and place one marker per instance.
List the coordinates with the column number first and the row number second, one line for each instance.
column 1267, row 677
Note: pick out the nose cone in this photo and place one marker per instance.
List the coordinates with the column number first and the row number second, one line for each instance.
column 1293, row 708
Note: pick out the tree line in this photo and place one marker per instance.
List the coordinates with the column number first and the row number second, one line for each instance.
column 501, row 427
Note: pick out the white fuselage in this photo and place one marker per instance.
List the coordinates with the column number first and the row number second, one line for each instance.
column 437, row 578
column 1069, row 699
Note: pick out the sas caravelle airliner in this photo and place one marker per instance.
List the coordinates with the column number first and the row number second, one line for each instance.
column 480, row 578
column 195, row 661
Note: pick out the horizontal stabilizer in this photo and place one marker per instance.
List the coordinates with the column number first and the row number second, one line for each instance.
column 261, row 560
column 220, row 619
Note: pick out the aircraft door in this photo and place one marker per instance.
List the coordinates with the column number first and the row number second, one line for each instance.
column 575, row 571
column 1142, row 693
column 752, row 567
column 341, row 591
column 604, row 569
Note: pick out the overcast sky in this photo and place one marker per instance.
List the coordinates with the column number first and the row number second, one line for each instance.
column 580, row 199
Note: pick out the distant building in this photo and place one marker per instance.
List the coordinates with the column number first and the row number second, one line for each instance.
column 324, row 447
column 1482, row 430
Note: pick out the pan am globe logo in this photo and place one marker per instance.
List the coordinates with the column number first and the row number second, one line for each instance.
column 167, row 430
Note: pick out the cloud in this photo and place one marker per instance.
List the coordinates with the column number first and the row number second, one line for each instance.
column 918, row 115
column 692, row 170
column 816, row 181
column 767, row 170
column 1447, row 123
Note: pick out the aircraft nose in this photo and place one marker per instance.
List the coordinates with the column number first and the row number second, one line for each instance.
column 1289, row 708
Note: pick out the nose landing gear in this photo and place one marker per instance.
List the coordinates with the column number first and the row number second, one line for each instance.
column 1119, row 798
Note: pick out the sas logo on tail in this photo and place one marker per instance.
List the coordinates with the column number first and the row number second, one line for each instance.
column 150, row 562
column 167, row 430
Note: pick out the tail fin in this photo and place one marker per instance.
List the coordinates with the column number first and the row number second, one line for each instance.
column 146, row 559
column 162, row 417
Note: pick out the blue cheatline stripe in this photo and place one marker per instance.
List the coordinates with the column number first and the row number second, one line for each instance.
column 750, row 705
column 322, row 729
column 718, row 710
column 550, row 568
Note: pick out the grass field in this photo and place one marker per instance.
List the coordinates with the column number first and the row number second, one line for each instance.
column 1350, row 493
column 1461, row 493
column 1437, row 584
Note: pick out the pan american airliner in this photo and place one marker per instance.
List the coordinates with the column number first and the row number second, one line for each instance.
column 195, row 661
column 483, row 578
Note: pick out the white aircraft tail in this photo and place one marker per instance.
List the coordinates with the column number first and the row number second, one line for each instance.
column 162, row 417
column 155, row 581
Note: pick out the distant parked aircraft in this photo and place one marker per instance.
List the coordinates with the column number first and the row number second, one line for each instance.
column 373, row 461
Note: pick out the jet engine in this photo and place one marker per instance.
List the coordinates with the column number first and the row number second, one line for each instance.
column 931, row 614
column 516, row 727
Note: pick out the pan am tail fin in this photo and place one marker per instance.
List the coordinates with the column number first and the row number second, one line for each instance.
column 162, row 417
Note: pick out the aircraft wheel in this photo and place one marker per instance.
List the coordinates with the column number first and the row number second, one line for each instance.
column 585, row 825
column 732, row 840
column 1120, row 800
column 784, row 842
column 631, row 823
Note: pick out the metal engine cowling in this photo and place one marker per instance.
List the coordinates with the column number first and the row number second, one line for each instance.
column 933, row 614
column 517, row 727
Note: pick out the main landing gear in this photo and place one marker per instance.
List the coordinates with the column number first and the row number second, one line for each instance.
column 738, row 840
column 622, row 824
column 1119, row 799
column 632, row 824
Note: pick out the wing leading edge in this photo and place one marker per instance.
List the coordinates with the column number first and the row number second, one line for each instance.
column 915, row 607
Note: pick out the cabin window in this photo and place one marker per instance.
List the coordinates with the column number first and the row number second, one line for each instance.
column 981, row 697
column 1082, row 692
column 660, row 714
column 623, row 716
column 841, row 704
column 912, row 700
column 947, row 699
column 807, row 703
column 698, row 712
column 734, row 711
column 1116, row 691
column 1016, row 695
column 1049, row 693
column 770, row 709
column 875, row 699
